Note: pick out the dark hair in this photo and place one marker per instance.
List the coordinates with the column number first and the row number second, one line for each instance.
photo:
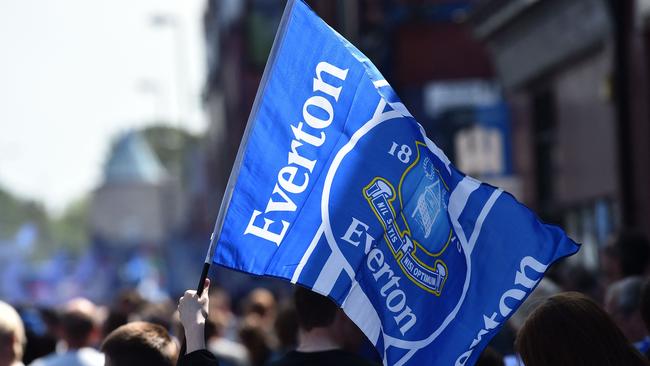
column 114, row 320
column 77, row 326
column 286, row 326
column 490, row 357
column 571, row 329
column 140, row 343
column 313, row 310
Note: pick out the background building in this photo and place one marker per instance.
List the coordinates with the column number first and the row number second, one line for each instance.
column 425, row 49
column 575, row 74
column 138, row 203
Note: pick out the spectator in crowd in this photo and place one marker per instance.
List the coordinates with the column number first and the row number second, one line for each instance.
column 220, row 331
column 227, row 351
column 627, row 255
column 322, row 333
column 261, row 304
column 160, row 313
column 127, row 303
column 257, row 340
column 256, row 331
column 571, row 329
column 138, row 344
column 221, row 312
column 41, row 330
column 623, row 303
column 576, row 277
column 114, row 319
column 79, row 332
column 12, row 336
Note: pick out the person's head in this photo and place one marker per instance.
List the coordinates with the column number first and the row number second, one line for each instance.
column 139, row 343
column 12, row 335
column 545, row 289
column 220, row 313
column 261, row 302
column 78, row 323
column 627, row 255
column 129, row 302
column 220, row 301
column 114, row 319
column 571, row 329
column 577, row 277
column 313, row 310
column 317, row 313
column 157, row 313
column 77, row 329
column 623, row 303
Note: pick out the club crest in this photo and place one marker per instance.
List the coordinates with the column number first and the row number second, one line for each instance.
column 414, row 217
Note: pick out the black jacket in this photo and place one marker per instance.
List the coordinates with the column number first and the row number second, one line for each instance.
column 201, row 357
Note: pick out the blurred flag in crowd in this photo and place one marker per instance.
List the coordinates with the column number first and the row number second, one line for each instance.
column 337, row 188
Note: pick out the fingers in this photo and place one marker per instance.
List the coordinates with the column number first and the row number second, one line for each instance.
column 188, row 295
column 206, row 287
column 191, row 294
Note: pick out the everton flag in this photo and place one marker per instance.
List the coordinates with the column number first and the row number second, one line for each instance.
column 337, row 188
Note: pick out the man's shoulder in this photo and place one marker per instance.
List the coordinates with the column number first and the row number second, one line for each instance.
column 82, row 357
column 90, row 356
column 46, row 360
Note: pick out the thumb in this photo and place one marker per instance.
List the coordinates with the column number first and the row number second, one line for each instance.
column 206, row 286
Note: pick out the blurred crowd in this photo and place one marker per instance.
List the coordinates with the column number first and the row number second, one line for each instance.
column 573, row 317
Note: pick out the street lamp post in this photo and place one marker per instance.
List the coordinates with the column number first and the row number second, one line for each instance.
column 178, row 54
column 152, row 88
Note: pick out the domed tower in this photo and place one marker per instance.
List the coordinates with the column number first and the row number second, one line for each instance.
column 138, row 204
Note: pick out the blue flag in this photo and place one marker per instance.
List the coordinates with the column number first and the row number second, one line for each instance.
column 337, row 188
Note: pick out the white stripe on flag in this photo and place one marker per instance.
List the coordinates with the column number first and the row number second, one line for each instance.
column 380, row 83
column 359, row 308
column 435, row 149
column 458, row 200
column 305, row 257
column 481, row 217
column 399, row 107
column 329, row 273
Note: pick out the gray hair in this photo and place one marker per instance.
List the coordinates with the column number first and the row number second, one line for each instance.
column 624, row 296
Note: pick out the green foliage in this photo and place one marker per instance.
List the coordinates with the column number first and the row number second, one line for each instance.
column 70, row 230
column 15, row 212
column 172, row 146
